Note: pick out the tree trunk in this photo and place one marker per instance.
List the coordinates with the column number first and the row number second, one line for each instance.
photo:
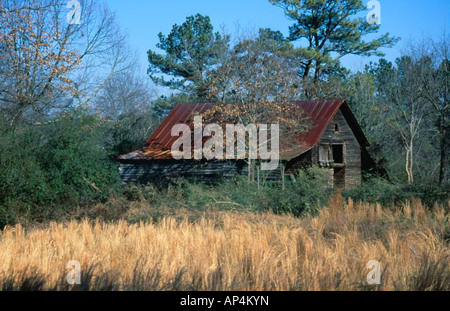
column 251, row 170
column 409, row 163
column 442, row 148
column 307, row 69
column 317, row 72
column 258, row 180
column 443, row 155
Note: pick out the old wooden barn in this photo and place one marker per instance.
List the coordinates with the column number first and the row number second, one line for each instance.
column 333, row 141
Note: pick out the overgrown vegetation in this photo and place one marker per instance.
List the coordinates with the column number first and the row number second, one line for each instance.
column 47, row 171
column 304, row 194
column 70, row 104
column 74, row 175
column 378, row 190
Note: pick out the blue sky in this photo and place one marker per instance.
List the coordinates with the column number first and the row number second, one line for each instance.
column 142, row 20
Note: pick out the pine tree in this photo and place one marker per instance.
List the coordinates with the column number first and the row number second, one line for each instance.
column 190, row 51
column 331, row 30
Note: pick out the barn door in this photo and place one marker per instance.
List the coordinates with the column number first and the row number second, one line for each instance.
column 339, row 178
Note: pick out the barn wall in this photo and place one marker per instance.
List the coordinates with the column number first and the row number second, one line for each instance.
column 159, row 171
column 299, row 163
column 352, row 150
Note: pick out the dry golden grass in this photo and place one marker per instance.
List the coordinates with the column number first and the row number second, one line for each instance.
column 238, row 251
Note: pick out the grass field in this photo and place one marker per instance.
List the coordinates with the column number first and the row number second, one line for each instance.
column 238, row 251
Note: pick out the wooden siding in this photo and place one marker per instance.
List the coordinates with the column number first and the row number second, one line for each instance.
column 161, row 171
column 301, row 162
column 352, row 149
column 348, row 174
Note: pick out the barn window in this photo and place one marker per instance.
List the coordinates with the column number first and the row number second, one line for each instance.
column 336, row 128
column 338, row 154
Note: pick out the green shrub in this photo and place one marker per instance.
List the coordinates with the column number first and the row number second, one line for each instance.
column 305, row 192
column 76, row 161
column 46, row 170
column 429, row 193
column 237, row 193
column 377, row 190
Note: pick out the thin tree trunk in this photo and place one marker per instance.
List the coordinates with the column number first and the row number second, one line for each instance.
column 258, row 176
column 409, row 163
column 443, row 156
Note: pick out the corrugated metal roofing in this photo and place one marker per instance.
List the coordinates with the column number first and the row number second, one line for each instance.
column 319, row 114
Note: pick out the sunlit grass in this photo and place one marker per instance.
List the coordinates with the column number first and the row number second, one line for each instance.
column 238, row 251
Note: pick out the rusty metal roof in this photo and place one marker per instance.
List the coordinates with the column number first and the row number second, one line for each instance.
column 319, row 114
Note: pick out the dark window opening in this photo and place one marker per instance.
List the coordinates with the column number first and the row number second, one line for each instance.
column 338, row 154
column 336, row 128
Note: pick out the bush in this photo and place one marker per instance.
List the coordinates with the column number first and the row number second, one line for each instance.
column 238, row 193
column 377, row 190
column 429, row 193
column 76, row 162
column 46, row 170
column 305, row 192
